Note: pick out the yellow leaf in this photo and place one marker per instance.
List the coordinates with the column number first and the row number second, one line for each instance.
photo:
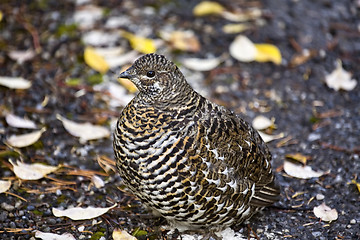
column 95, row 61
column 126, row 83
column 267, row 52
column 208, row 8
column 1, row 16
column 298, row 157
column 141, row 44
column 353, row 181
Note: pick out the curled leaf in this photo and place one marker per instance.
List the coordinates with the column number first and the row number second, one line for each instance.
column 86, row 131
column 300, row 171
column 33, row 171
column 4, row 186
column 267, row 52
column 78, row 213
column 95, row 60
column 340, row 79
column 298, row 157
column 15, row 82
column 141, row 44
column 18, row 122
column 199, row 64
column 268, row 138
column 243, row 49
column 122, row 235
column 182, row 40
column 25, row 140
column 53, row 236
column 208, row 8
column 261, row 122
column 325, row 213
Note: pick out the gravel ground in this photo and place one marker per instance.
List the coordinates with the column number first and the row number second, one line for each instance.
column 317, row 121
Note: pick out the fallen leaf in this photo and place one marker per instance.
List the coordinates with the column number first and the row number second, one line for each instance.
column 15, row 82
column 298, row 157
column 353, row 181
column 261, row 122
column 325, row 213
column 53, row 236
column 340, row 79
column 199, row 64
column 182, row 40
column 208, row 8
column 32, row 171
column 97, row 181
column 141, row 44
column 243, row 49
column 268, row 138
column 235, row 28
column 126, row 83
column 25, row 140
column 120, row 60
column 95, row 60
column 86, row 16
column 242, row 16
column 22, row 56
column 122, row 235
column 18, row 122
column 78, row 213
column 267, row 52
column 85, row 131
column 300, row 171
column 4, row 186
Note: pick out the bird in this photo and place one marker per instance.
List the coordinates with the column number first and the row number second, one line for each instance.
column 187, row 159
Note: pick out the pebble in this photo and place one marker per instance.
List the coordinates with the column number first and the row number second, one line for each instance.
column 21, row 213
column 12, row 225
column 319, row 197
column 352, row 221
column 4, row 215
column 7, row 206
column 30, row 208
column 316, row 234
column 51, row 221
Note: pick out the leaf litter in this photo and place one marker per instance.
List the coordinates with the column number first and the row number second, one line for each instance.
column 77, row 213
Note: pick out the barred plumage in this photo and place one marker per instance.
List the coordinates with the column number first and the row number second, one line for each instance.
column 189, row 160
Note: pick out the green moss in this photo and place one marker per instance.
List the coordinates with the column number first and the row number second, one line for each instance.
column 95, row 79
column 69, row 30
column 97, row 235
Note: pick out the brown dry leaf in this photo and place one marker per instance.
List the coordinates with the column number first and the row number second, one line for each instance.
column 208, row 8
column 25, row 140
column 95, row 60
column 33, row 171
column 261, row 122
column 4, row 186
column 141, row 44
column 85, row 131
column 303, row 57
column 199, row 64
column 53, row 236
column 298, row 157
column 122, row 235
column 325, row 213
column 267, row 53
column 300, row 171
column 18, row 122
column 340, row 79
column 78, row 213
column 15, row 82
column 182, row 40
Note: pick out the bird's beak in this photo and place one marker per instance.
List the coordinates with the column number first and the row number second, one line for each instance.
column 126, row 74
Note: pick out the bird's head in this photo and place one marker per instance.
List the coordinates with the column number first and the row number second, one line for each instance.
column 155, row 76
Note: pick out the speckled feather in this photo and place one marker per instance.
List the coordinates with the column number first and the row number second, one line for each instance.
column 188, row 159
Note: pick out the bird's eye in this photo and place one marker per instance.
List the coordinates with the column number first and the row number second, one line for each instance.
column 150, row 74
